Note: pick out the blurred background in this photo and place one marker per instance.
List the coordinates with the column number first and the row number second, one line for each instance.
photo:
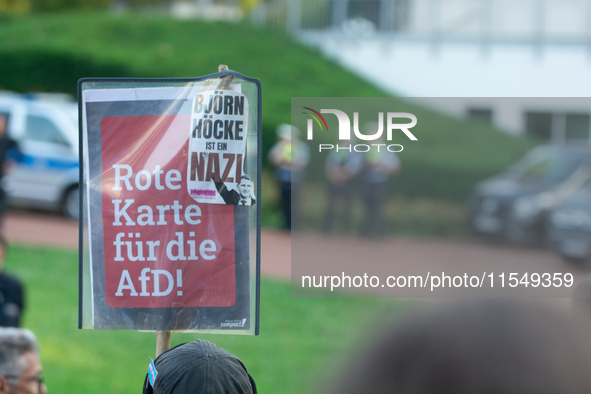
column 485, row 181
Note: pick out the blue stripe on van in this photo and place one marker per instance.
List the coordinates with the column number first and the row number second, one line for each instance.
column 53, row 164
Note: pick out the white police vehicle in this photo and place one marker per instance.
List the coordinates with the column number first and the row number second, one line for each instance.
column 46, row 130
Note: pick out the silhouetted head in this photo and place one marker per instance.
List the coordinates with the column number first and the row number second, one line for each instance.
column 475, row 347
column 581, row 304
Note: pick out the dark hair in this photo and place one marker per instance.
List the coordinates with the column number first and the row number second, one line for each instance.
column 475, row 347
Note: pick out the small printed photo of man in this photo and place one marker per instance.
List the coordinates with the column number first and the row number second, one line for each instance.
column 244, row 195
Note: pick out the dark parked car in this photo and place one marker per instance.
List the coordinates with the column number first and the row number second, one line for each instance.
column 570, row 226
column 516, row 203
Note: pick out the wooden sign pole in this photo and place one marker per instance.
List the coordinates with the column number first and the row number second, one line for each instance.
column 224, row 81
column 162, row 342
column 163, row 337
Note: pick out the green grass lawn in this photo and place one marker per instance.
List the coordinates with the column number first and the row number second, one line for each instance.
column 51, row 52
column 299, row 338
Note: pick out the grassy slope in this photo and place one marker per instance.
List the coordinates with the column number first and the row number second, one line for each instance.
column 51, row 52
column 101, row 45
column 299, row 337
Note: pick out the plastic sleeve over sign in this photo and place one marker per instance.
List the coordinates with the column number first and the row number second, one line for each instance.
column 171, row 219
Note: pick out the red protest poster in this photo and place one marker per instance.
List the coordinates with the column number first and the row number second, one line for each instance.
column 170, row 231
column 144, row 198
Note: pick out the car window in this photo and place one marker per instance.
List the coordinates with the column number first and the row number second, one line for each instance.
column 547, row 165
column 43, row 130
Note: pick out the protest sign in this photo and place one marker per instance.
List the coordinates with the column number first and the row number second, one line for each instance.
column 170, row 225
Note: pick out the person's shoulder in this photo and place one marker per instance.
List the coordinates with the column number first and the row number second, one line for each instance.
column 9, row 280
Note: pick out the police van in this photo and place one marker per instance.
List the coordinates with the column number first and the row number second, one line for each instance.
column 46, row 130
